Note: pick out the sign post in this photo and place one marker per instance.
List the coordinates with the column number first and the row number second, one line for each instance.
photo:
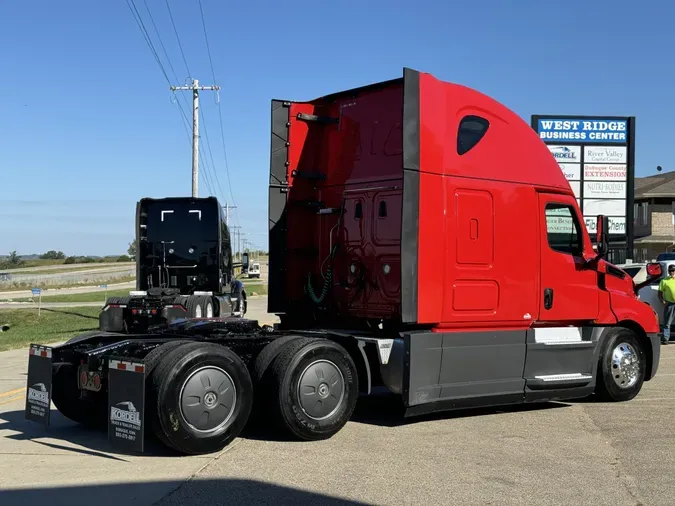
column 38, row 292
column 105, row 296
column 597, row 156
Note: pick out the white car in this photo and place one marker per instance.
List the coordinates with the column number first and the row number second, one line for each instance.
column 650, row 292
column 254, row 270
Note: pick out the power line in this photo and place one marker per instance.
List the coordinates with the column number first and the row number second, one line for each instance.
column 220, row 114
column 207, row 169
column 146, row 36
column 175, row 30
column 141, row 26
column 166, row 55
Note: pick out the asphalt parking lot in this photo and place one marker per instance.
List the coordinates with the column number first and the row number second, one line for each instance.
column 557, row 453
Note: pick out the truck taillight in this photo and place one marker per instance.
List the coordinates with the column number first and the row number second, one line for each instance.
column 83, row 379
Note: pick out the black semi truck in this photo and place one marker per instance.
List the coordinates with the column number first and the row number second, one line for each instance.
column 184, row 267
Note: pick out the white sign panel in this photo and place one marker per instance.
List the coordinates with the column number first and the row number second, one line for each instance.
column 593, row 207
column 559, row 224
column 604, row 190
column 572, row 171
column 596, row 172
column 566, row 154
column 605, row 154
column 616, row 225
column 576, row 188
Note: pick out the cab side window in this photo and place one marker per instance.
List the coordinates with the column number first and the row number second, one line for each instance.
column 562, row 229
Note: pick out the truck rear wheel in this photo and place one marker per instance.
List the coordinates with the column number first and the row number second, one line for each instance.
column 622, row 367
column 195, row 306
column 203, row 396
column 313, row 388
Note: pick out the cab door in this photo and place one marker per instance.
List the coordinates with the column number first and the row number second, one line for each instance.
column 568, row 288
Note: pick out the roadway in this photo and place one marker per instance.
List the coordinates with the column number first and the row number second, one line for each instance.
column 22, row 294
column 21, row 270
column 102, row 274
column 558, row 453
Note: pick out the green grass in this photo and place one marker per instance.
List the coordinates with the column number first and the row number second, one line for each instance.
column 97, row 296
column 53, row 325
column 259, row 288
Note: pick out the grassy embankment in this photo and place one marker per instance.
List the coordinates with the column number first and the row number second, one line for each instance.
column 53, row 325
column 60, row 324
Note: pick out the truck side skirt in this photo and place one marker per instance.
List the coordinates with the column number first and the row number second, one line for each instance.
column 437, row 371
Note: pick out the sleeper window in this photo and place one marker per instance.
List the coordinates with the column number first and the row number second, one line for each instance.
column 471, row 130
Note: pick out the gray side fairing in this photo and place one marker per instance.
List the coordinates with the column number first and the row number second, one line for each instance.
column 655, row 340
column 436, row 371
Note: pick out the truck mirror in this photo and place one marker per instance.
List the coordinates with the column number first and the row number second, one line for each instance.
column 602, row 235
column 244, row 261
column 654, row 269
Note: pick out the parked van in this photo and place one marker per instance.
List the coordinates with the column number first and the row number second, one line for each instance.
column 254, row 270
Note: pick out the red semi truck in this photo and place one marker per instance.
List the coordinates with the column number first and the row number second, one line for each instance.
column 422, row 238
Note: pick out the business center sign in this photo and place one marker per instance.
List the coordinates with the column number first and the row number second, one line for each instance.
column 596, row 155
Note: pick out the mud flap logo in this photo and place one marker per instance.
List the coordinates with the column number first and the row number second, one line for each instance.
column 124, row 414
column 37, row 394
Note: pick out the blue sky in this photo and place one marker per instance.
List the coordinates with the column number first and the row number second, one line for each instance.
column 88, row 125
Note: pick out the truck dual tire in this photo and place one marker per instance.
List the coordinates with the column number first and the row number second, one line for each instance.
column 622, row 366
column 201, row 397
column 310, row 388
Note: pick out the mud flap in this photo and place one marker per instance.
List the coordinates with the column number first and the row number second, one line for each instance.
column 126, row 404
column 39, row 384
column 111, row 319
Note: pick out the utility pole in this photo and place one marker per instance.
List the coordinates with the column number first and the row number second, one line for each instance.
column 236, row 231
column 227, row 213
column 195, row 127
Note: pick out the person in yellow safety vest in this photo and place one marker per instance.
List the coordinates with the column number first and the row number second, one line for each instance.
column 667, row 297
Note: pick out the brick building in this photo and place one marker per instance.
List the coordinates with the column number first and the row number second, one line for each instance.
column 654, row 216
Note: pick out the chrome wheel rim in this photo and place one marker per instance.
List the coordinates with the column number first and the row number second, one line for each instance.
column 209, row 310
column 207, row 399
column 625, row 366
column 321, row 389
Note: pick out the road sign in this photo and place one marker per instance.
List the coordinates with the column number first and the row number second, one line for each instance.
column 36, row 291
column 103, row 286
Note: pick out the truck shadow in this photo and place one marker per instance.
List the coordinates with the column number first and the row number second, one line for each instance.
column 386, row 410
column 65, row 435
column 196, row 492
